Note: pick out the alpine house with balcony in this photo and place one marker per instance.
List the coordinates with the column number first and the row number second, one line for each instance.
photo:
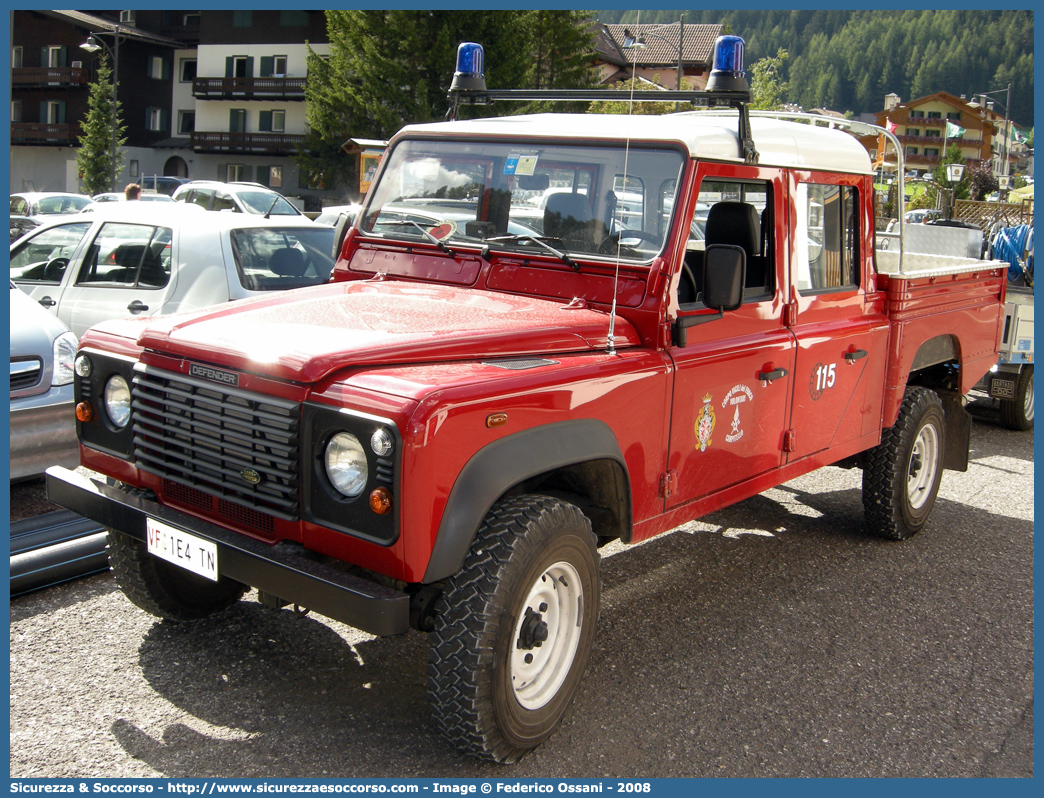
column 210, row 95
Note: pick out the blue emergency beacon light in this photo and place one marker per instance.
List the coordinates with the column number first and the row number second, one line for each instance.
column 727, row 73
column 470, row 74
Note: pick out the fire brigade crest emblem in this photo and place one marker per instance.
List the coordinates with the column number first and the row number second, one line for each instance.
column 705, row 421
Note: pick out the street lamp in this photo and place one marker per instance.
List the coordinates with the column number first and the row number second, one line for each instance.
column 1007, row 104
column 638, row 42
column 93, row 45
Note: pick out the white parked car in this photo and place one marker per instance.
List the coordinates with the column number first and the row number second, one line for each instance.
column 236, row 197
column 43, row 426
column 119, row 196
column 147, row 259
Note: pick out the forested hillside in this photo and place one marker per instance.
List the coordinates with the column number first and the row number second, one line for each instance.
column 849, row 60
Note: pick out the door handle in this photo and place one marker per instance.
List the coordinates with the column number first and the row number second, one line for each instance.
column 769, row 376
column 137, row 305
column 859, row 354
column 47, row 302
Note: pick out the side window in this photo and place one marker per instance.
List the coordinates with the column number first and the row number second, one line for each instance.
column 128, row 255
column 736, row 213
column 43, row 257
column 826, row 238
column 200, row 197
column 19, row 207
column 224, row 202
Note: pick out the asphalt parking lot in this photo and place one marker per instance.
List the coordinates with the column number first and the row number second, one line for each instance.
column 771, row 639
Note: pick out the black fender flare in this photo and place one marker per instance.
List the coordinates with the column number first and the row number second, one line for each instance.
column 501, row 465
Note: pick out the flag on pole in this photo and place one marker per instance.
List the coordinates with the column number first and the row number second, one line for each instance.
column 891, row 126
column 954, row 131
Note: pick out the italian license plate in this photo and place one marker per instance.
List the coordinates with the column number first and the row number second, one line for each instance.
column 179, row 547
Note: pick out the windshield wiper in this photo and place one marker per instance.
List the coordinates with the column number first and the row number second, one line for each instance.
column 426, row 233
column 539, row 241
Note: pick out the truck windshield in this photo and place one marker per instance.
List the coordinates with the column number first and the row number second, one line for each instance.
column 600, row 201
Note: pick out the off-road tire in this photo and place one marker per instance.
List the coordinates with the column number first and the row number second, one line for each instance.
column 480, row 628
column 901, row 474
column 1017, row 413
column 163, row 589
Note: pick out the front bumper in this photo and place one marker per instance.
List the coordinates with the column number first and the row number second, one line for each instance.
column 43, row 433
column 283, row 570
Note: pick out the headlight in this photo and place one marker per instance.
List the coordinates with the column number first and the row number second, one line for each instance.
column 346, row 464
column 118, row 400
column 64, row 357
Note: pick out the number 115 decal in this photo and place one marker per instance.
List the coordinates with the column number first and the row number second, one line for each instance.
column 823, row 378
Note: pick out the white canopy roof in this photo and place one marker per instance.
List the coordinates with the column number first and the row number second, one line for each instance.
column 707, row 135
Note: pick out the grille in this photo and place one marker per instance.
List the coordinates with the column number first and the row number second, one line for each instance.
column 213, row 438
column 25, row 373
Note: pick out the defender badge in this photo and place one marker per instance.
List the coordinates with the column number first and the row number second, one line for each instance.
column 250, row 475
column 705, row 424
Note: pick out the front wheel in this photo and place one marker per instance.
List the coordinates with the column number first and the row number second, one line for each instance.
column 1017, row 413
column 902, row 473
column 514, row 628
column 164, row 589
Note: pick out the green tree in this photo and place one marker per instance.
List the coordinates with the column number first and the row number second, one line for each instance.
column 391, row 68
column 95, row 160
column 768, row 90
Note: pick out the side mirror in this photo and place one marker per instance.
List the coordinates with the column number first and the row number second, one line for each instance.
column 724, row 272
column 344, row 221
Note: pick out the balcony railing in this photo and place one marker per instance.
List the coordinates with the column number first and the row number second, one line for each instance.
column 246, row 88
column 247, row 142
column 66, row 77
column 44, row 133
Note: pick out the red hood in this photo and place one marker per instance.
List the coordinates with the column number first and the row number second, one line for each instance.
column 305, row 335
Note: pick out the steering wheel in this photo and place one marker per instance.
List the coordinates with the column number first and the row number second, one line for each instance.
column 687, row 275
column 54, row 269
column 612, row 241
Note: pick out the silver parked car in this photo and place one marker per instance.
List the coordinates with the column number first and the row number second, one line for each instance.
column 43, row 425
column 236, row 197
column 147, row 259
column 47, row 203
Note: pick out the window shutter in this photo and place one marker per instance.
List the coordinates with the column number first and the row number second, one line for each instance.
column 63, row 56
column 61, row 112
column 164, row 119
column 265, row 121
column 166, row 70
column 43, row 112
column 250, row 66
column 229, row 66
column 263, row 176
column 267, row 66
column 148, row 119
column 44, row 57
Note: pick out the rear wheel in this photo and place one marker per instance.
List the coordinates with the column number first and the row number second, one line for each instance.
column 1017, row 413
column 514, row 628
column 164, row 589
column 902, row 473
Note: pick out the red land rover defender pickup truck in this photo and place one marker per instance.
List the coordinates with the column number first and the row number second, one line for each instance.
column 542, row 333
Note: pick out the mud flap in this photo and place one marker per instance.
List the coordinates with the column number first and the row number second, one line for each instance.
column 958, row 431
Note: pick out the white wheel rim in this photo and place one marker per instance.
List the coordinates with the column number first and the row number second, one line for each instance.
column 1027, row 401
column 537, row 673
column 924, row 464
